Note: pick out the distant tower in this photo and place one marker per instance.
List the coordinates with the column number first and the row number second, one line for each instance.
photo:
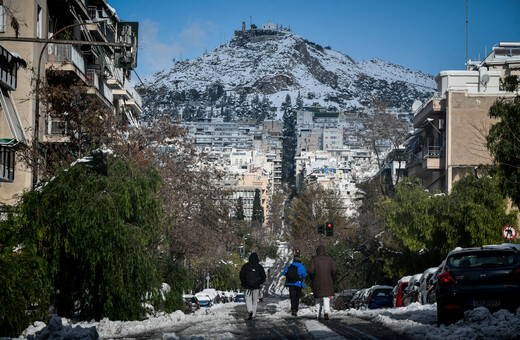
column 243, row 26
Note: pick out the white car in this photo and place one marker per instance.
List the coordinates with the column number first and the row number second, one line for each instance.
column 204, row 299
column 212, row 293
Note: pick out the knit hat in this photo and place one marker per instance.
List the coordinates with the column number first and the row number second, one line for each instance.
column 297, row 257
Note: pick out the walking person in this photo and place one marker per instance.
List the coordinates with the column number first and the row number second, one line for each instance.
column 252, row 276
column 294, row 275
column 322, row 271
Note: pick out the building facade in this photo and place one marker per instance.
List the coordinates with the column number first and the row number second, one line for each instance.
column 77, row 39
column 451, row 127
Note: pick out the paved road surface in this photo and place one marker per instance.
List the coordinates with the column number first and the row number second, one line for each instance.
column 268, row 326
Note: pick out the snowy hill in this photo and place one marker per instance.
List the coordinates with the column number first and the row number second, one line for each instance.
column 258, row 68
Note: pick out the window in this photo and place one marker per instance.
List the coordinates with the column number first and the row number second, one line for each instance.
column 39, row 23
column 2, row 19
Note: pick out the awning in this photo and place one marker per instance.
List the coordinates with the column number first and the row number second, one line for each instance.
column 11, row 115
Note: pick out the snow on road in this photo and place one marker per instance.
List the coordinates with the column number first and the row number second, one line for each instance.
column 221, row 322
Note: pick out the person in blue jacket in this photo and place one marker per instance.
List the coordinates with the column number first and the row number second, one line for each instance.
column 295, row 288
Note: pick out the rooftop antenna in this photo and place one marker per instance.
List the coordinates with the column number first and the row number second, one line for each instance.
column 467, row 24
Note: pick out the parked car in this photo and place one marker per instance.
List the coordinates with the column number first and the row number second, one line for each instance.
column 488, row 276
column 411, row 292
column 363, row 298
column 204, row 300
column 240, row 297
column 191, row 303
column 380, row 297
column 398, row 291
column 430, row 296
column 342, row 300
column 355, row 298
column 424, row 283
column 213, row 294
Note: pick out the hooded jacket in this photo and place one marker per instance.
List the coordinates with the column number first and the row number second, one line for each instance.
column 301, row 272
column 254, row 263
column 322, row 271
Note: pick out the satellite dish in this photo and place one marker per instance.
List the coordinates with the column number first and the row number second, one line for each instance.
column 484, row 79
column 416, row 105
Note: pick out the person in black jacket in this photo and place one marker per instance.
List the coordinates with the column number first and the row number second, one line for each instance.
column 252, row 275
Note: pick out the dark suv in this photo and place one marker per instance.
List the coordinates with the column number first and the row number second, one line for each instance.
column 478, row 277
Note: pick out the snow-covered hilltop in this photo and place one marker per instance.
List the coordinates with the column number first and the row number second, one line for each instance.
column 273, row 63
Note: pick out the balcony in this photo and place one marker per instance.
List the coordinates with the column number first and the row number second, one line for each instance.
column 115, row 80
column 433, row 158
column 55, row 130
column 133, row 99
column 102, row 31
column 67, row 58
column 99, row 87
column 435, row 105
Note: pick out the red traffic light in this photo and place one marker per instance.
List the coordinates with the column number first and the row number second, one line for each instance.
column 330, row 229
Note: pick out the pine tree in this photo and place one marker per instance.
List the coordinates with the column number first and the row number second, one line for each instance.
column 240, row 209
column 288, row 142
column 258, row 210
column 299, row 101
column 503, row 144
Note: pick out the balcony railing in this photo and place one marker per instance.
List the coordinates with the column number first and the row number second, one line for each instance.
column 435, row 95
column 94, row 80
column 66, row 53
column 433, row 152
column 117, row 75
column 134, row 94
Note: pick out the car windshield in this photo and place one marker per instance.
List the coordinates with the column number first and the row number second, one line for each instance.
column 483, row 259
column 382, row 292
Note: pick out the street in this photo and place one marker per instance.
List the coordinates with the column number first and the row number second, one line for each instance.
column 271, row 323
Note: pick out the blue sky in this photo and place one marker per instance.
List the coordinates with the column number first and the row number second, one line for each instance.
column 426, row 35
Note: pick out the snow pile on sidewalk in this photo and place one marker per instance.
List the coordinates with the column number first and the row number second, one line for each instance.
column 418, row 321
column 61, row 328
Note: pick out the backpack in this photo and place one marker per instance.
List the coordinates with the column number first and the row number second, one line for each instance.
column 253, row 278
column 291, row 276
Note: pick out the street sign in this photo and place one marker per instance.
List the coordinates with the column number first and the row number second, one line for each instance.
column 509, row 232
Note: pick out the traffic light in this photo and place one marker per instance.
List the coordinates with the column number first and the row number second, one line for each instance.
column 297, row 252
column 330, row 229
column 321, row 229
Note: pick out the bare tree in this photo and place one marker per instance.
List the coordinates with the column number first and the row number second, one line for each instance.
column 382, row 133
column 312, row 207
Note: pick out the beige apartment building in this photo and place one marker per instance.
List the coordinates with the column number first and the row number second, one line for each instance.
column 79, row 38
column 450, row 127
